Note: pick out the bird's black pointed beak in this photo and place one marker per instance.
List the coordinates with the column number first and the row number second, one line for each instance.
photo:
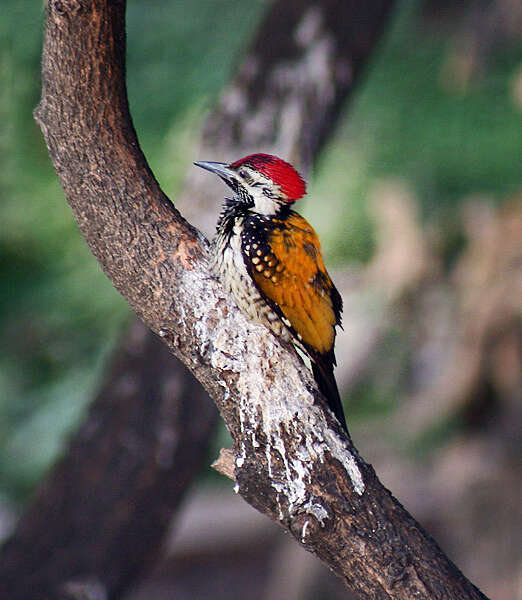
column 221, row 169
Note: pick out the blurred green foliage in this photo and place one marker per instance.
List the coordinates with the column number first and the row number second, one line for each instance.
column 404, row 122
column 58, row 313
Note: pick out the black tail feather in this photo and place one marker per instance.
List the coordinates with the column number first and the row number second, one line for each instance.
column 325, row 379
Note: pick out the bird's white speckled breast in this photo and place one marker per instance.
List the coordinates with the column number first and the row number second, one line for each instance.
column 229, row 265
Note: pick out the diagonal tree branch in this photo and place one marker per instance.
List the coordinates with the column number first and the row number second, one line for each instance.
column 303, row 104
column 292, row 461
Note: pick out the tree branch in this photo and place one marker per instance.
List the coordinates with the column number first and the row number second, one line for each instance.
column 292, row 461
column 122, row 475
column 137, row 401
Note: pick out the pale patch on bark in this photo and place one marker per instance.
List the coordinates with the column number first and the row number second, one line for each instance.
column 276, row 401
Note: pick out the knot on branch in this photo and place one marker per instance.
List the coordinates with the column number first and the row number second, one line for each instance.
column 66, row 7
column 308, row 526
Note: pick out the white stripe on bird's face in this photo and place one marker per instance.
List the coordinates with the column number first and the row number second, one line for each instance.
column 266, row 196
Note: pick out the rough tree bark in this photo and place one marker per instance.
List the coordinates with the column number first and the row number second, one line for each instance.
column 144, row 397
column 99, row 519
column 300, row 471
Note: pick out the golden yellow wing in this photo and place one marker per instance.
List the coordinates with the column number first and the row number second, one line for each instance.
column 290, row 272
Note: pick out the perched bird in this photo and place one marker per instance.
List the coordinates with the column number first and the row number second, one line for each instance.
column 269, row 258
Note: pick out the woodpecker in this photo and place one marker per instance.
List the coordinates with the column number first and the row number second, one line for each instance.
column 269, row 258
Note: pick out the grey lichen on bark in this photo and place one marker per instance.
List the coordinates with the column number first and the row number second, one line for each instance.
column 272, row 407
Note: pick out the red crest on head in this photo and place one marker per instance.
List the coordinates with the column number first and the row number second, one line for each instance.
column 287, row 178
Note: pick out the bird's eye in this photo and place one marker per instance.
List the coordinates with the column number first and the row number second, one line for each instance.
column 243, row 173
column 267, row 192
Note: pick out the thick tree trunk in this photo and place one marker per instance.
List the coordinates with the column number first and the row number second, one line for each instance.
column 291, row 460
column 99, row 519
column 289, row 89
